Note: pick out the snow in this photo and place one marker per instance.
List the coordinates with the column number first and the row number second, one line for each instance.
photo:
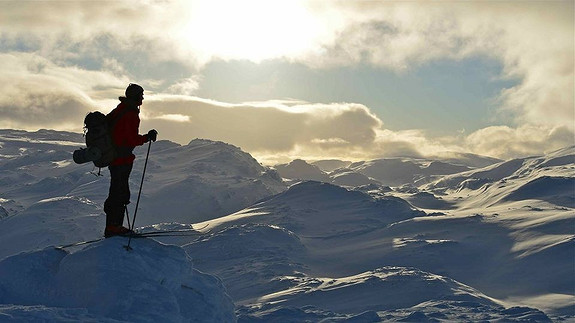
column 460, row 238
column 351, row 179
column 152, row 282
column 211, row 178
column 387, row 171
column 554, row 189
column 52, row 221
column 301, row 170
column 329, row 165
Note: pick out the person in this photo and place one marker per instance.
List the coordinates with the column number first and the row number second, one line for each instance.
column 125, row 135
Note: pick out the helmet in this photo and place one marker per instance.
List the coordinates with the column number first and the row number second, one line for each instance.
column 134, row 91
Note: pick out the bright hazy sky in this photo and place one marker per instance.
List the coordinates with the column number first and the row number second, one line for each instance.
column 301, row 79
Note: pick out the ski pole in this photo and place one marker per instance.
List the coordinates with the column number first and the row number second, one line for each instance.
column 139, row 193
column 127, row 216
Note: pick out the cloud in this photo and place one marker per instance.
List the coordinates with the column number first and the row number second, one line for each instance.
column 36, row 93
column 533, row 40
column 185, row 86
column 279, row 131
column 260, row 127
column 505, row 142
column 62, row 59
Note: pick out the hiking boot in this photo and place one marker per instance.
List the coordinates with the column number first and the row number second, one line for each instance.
column 116, row 230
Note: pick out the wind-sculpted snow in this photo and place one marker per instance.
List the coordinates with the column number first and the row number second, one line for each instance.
column 384, row 294
column 347, row 232
column 556, row 190
column 384, row 288
column 206, row 178
column 321, row 210
column 428, row 200
column 151, row 283
column 559, row 162
column 265, row 269
column 37, row 166
column 50, row 222
column 492, row 243
column 249, row 258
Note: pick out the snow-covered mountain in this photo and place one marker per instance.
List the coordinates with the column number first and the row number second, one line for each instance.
column 547, row 178
column 350, row 178
column 493, row 243
column 299, row 169
column 329, row 165
column 331, row 244
column 401, row 171
column 208, row 179
column 387, row 171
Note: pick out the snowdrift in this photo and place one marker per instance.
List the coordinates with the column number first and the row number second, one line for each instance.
column 280, row 250
column 494, row 241
column 559, row 164
column 249, row 258
column 556, row 190
column 319, row 210
column 151, row 283
column 383, row 295
column 54, row 221
column 210, row 178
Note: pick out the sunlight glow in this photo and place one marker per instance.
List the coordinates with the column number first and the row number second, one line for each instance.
column 254, row 29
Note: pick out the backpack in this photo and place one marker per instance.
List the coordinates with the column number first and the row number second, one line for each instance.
column 101, row 149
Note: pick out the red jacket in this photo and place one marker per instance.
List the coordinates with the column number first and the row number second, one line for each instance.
column 126, row 132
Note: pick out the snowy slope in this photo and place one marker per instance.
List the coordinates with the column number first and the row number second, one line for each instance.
column 385, row 293
column 313, row 238
column 104, row 282
column 329, row 165
column 346, row 177
column 387, row 171
column 467, row 159
column 400, row 171
column 546, row 178
column 300, row 170
column 207, row 179
column 54, row 221
column 520, row 251
column 486, row 244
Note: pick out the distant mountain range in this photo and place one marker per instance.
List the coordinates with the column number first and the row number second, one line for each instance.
column 388, row 171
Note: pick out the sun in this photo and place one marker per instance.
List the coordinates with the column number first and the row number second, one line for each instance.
column 253, row 30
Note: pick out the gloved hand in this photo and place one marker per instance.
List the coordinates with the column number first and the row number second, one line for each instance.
column 151, row 135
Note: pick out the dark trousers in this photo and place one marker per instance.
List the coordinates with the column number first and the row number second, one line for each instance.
column 119, row 195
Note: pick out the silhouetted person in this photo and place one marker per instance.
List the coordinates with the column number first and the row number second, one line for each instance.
column 126, row 137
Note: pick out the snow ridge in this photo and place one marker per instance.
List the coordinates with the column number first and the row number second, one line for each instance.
column 460, row 238
column 153, row 282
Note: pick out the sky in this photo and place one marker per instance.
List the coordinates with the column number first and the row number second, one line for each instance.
column 316, row 79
